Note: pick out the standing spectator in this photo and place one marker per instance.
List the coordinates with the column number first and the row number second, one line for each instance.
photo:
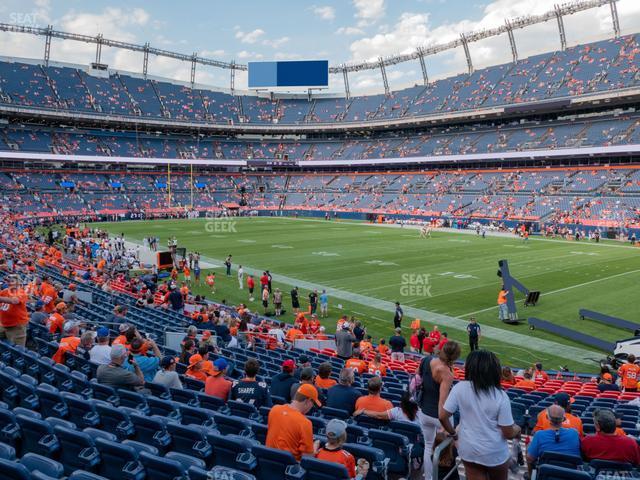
column 265, row 298
column 397, row 317
column 217, row 385
column 474, row 332
column 486, row 422
column 249, row 389
column 13, row 313
column 282, row 382
column 436, row 378
column 269, row 281
column 373, row 401
column 240, row 276
column 397, row 344
column 277, row 302
column 324, row 304
column 115, row 376
column 175, row 299
column 344, row 341
column 227, row 264
column 101, row 352
column 606, row 445
column 359, row 331
column 251, row 284
column 629, row 374
column 313, row 301
column 167, row 374
column 503, row 309
column 343, row 396
column 288, row 427
column 295, row 300
column 554, row 439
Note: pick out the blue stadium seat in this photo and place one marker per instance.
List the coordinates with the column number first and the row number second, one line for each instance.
column 115, row 421
column 376, row 458
column 9, row 428
column 187, row 397
column 159, row 468
column 81, row 412
column 27, row 413
column 164, row 408
column 7, row 452
column 320, row 470
column 228, row 473
column 77, row 450
column 329, row 413
column 53, row 421
column 560, row 460
column 141, row 447
column 272, row 464
column 118, row 461
column 38, row 436
column 51, row 402
column 13, row 471
column 187, row 461
column 96, row 433
column 228, row 425
column 43, row 465
column 551, row 472
column 244, row 410
column 232, row 451
column 190, row 440
column 158, row 390
column 413, row 433
column 27, row 392
column 395, row 448
column 151, row 431
column 133, row 400
column 82, row 475
column 609, row 468
column 211, row 403
column 105, row 393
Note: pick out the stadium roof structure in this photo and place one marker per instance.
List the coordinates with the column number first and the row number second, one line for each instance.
column 381, row 63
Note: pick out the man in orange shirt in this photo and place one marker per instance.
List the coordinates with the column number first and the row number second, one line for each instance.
column 216, row 385
column 356, row 363
column 48, row 295
column 503, row 310
column 365, row 345
column 629, row 374
column 69, row 343
column 383, row 349
column 13, row 313
column 527, row 383
column 376, row 367
column 539, row 373
column 288, row 427
column 570, row 421
column 292, row 334
column 374, row 402
column 56, row 319
column 195, row 369
column 324, row 380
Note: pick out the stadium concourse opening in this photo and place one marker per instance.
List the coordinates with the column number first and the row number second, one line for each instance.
column 218, row 283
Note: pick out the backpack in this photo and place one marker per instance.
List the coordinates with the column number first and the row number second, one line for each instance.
column 415, row 382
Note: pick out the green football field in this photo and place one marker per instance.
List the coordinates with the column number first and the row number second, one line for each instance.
column 442, row 280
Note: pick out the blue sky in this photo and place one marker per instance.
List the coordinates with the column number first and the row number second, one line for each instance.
column 340, row 31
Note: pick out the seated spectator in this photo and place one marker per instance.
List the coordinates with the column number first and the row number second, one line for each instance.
column 539, row 373
column 101, row 352
column 188, row 348
column 217, row 385
column 167, row 374
column 69, row 342
column 39, row 316
column 526, row 383
column 382, row 347
column 507, row 376
column 376, row 367
column 115, row 376
column 606, row 445
column 374, row 402
column 282, row 382
column 324, row 380
column 606, row 384
column 356, row 363
column 343, row 396
column 288, row 427
column 306, row 378
column 336, row 431
column 570, row 421
column 249, row 389
column 148, row 363
column 196, row 368
column 86, row 345
column 556, row 438
column 408, row 411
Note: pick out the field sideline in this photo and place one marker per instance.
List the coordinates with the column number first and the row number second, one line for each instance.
column 441, row 280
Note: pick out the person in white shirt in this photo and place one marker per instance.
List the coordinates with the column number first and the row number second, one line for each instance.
column 167, row 374
column 101, row 351
column 486, row 422
column 278, row 333
column 240, row 276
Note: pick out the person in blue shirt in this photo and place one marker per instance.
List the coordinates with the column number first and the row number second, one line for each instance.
column 148, row 362
column 474, row 332
column 343, row 396
column 324, row 304
column 556, row 439
column 249, row 389
column 282, row 382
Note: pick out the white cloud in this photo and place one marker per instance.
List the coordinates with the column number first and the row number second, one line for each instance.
column 275, row 43
column 244, row 54
column 349, row 31
column 287, row 56
column 368, row 11
column 249, row 37
column 212, row 53
column 325, row 12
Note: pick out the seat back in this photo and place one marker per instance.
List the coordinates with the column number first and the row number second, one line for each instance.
column 10, row 470
column 118, row 460
column 115, row 420
column 77, row 450
column 9, row 428
column 320, row 470
column 37, row 436
column 52, row 404
column 271, row 463
column 560, row 460
column 229, row 449
column 375, row 457
column 152, row 431
column 190, row 440
column 551, row 472
column 42, row 464
column 197, row 416
column 81, row 412
column 395, row 448
column 160, row 468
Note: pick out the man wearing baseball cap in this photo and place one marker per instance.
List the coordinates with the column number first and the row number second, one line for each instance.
column 216, row 385
column 336, row 431
column 282, row 382
column 288, row 427
column 101, row 352
column 13, row 314
column 570, row 421
column 606, row 383
column 167, row 374
column 69, row 341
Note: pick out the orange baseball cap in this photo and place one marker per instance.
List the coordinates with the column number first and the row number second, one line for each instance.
column 61, row 305
column 607, row 376
column 206, row 334
column 310, row 392
column 196, row 358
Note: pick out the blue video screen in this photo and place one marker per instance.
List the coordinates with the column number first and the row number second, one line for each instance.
column 298, row 73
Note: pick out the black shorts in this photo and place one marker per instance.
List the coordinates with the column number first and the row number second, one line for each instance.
column 251, row 291
column 295, row 304
column 265, row 303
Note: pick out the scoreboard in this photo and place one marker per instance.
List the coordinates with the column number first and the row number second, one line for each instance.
column 294, row 73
